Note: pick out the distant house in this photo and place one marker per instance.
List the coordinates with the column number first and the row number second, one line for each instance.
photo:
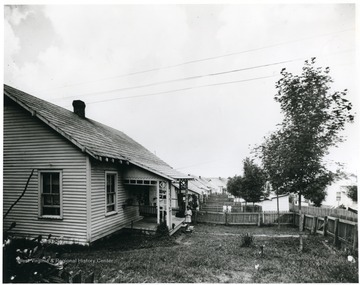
column 219, row 184
column 211, row 185
column 89, row 180
column 337, row 193
column 270, row 203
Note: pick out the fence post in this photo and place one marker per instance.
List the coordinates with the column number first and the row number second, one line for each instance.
column 302, row 222
column 294, row 218
column 314, row 225
column 336, row 232
column 226, row 218
column 263, row 217
column 355, row 243
column 259, row 220
column 325, row 226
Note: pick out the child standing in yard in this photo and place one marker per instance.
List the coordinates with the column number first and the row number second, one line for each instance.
column 188, row 215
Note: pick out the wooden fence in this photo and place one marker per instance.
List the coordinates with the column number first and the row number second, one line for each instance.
column 270, row 218
column 211, row 217
column 341, row 230
column 235, row 208
column 322, row 212
column 248, row 218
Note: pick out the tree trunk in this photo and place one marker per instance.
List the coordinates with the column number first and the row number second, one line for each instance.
column 278, row 211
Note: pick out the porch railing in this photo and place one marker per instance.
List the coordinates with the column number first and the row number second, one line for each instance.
column 147, row 210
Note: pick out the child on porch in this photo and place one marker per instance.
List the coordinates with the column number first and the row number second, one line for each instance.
column 188, row 215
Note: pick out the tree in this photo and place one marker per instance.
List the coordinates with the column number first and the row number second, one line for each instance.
column 253, row 182
column 233, row 185
column 271, row 153
column 352, row 192
column 313, row 119
column 250, row 186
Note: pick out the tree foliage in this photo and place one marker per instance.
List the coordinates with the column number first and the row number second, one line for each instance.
column 253, row 182
column 233, row 185
column 352, row 192
column 250, row 186
column 313, row 119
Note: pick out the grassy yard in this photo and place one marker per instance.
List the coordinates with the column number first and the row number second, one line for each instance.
column 213, row 254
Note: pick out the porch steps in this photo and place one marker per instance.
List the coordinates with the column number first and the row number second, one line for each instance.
column 148, row 225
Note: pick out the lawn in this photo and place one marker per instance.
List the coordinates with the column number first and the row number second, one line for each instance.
column 213, row 254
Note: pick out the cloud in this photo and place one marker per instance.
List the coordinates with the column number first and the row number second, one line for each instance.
column 11, row 48
column 90, row 42
column 15, row 14
column 72, row 44
column 113, row 38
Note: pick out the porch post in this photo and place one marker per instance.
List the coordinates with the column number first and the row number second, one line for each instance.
column 183, row 185
column 158, row 202
column 168, row 205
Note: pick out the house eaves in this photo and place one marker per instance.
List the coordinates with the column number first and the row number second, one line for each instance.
column 55, row 128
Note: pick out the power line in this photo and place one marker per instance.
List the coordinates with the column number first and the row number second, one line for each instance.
column 189, row 78
column 182, row 79
column 182, row 89
column 200, row 60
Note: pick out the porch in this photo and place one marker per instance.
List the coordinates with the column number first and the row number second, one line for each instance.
column 149, row 225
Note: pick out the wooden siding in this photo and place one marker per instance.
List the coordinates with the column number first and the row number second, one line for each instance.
column 132, row 172
column 30, row 144
column 102, row 225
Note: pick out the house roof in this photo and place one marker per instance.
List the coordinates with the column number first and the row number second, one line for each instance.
column 218, row 181
column 97, row 140
column 273, row 196
column 201, row 183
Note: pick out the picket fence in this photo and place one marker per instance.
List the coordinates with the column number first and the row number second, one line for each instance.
column 247, row 218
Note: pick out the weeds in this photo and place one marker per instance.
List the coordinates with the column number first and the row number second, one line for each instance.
column 247, row 240
column 210, row 256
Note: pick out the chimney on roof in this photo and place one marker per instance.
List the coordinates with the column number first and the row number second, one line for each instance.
column 79, row 108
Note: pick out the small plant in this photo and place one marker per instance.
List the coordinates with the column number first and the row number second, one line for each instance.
column 25, row 261
column 247, row 240
column 162, row 230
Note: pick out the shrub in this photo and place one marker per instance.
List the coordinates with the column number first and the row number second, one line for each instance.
column 247, row 240
column 26, row 261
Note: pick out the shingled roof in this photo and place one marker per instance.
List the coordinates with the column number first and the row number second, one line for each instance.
column 95, row 139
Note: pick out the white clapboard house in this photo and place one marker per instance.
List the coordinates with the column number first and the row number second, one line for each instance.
column 89, row 180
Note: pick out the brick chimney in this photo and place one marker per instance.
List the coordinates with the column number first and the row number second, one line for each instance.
column 79, row 108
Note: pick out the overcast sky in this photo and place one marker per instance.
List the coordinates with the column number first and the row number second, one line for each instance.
column 194, row 84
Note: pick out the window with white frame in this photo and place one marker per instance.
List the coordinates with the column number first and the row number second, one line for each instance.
column 111, row 189
column 50, row 194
